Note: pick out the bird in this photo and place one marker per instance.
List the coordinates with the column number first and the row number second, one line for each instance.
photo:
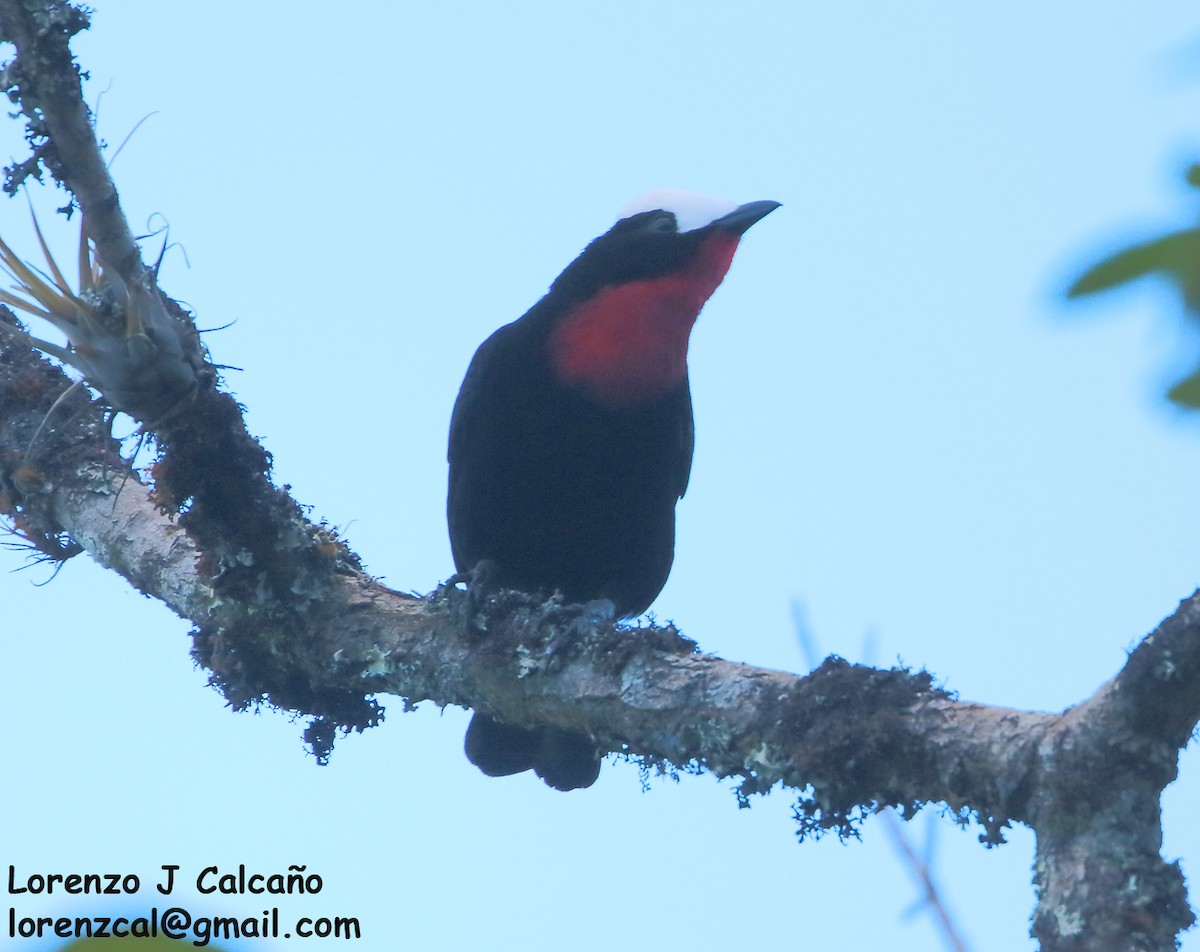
column 571, row 438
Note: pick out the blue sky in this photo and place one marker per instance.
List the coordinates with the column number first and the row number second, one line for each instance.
column 899, row 424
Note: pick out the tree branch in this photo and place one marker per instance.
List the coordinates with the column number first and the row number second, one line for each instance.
column 848, row 739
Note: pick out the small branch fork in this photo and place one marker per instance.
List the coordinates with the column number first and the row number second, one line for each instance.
column 44, row 81
column 284, row 615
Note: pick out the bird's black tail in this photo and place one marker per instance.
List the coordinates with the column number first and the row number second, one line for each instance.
column 563, row 759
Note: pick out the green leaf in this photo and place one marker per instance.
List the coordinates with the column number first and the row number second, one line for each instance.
column 131, row 944
column 1186, row 393
column 1193, row 174
column 1176, row 255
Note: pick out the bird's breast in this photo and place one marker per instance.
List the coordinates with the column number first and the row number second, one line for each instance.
column 626, row 345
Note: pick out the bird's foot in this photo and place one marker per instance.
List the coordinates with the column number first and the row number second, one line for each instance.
column 599, row 611
column 573, row 623
column 480, row 583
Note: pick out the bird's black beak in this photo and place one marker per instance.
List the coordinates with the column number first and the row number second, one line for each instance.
column 742, row 217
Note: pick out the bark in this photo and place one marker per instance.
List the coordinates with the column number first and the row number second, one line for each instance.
column 284, row 615
column 46, row 82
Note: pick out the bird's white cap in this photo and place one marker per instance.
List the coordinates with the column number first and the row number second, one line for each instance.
column 690, row 209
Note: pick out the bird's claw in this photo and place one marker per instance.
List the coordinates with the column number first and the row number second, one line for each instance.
column 599, row 611
column 480, row 584
column 578, row 621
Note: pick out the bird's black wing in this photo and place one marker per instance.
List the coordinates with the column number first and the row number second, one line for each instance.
column 687, row 439
column 472, row 391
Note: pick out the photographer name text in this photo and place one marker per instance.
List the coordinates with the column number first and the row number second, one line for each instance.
column 296, row 881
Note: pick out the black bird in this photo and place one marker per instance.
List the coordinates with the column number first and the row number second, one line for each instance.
column 571, row 439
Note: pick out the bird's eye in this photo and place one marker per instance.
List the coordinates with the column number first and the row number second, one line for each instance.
column 664, row 223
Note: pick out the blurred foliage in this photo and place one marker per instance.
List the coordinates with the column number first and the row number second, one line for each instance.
column 1175, row 256
column 131, row 944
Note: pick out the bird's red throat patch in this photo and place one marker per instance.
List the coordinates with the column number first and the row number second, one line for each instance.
column 626, row 345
